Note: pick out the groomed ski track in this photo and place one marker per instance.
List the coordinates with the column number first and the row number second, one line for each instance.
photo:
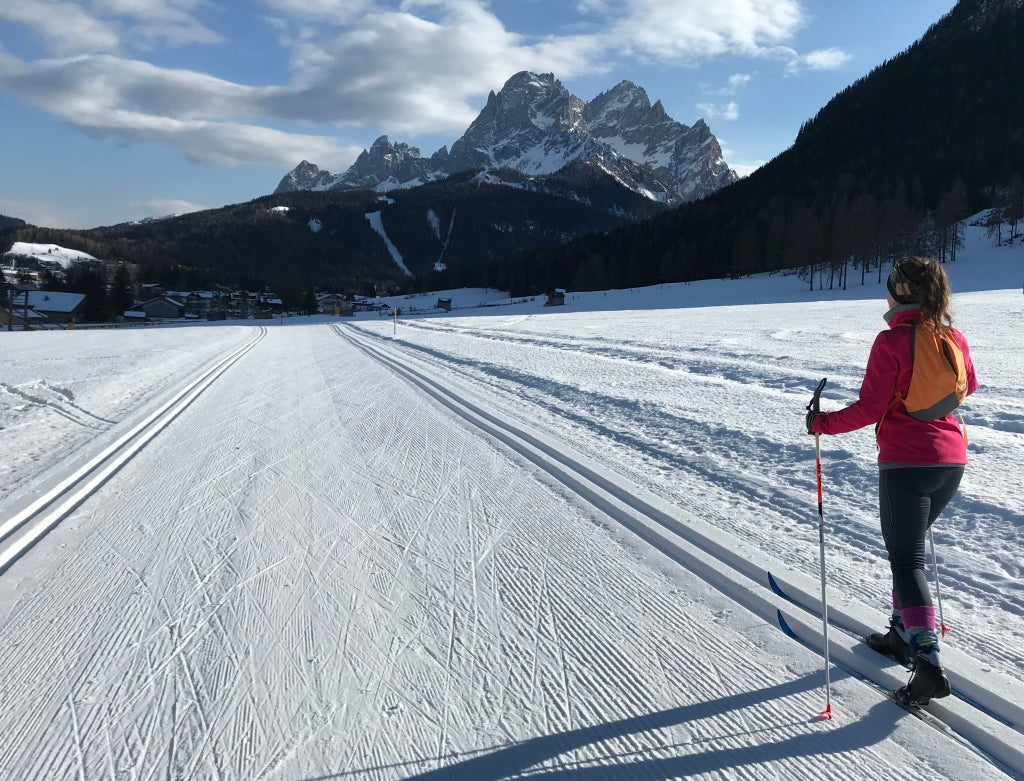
column 976, row 713
column 334, row 560
column 28, row 525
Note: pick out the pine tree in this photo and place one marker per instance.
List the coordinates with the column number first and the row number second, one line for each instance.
column 121, row 295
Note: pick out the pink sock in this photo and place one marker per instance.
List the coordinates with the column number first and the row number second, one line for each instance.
column 918, row 617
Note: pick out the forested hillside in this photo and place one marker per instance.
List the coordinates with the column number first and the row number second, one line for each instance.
column 302, row 240
column 889, row 166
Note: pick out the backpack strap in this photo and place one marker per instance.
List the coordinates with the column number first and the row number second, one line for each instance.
column 897, row 397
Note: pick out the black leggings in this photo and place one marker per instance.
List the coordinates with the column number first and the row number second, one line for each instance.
column 909, row 500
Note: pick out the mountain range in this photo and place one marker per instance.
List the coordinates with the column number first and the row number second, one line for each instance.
column 890, row 166
column 535, row 126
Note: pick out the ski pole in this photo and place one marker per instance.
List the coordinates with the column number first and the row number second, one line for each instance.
column 938, row 592
column 815, row 404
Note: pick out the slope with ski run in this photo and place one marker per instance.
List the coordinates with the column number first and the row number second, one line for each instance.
column 319, row 570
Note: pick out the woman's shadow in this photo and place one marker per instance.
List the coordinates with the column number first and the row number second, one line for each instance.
column 538, row 757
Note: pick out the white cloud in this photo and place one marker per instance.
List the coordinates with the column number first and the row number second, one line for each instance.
column 64, row 28
column 32, row 212
column 404, row 66
column 694, row 29
column 409, row 74
column 164, row 207
column 332, row 11
column 192, row 112
column 820, row 59
column 746, row 169
column 229, row 143
column 826, row 59
column 742, row 168
column 67, row 28
column 736, row 82
column 729, row 111
column 594, row 6
column 151, row 23
column 86, row 88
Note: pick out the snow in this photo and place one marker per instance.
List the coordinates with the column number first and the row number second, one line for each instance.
column 52, row 252
column 540, row 159
column 435, row 224
column 503, row 542
column 377, row 224
column 50, row 301
column 462, row 298
column 543, row 121
column 661, row 158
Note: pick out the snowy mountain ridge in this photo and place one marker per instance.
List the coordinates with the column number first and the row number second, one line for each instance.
column 535, row 126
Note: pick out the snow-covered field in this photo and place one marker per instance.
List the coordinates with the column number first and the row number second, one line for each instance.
column 502, row 543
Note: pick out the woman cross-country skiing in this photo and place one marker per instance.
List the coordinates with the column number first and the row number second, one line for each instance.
column 920, row 465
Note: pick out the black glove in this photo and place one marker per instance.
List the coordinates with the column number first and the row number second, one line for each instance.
column 811, row 415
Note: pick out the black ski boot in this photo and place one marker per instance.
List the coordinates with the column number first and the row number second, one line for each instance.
column 928, row 683
column 890, row 644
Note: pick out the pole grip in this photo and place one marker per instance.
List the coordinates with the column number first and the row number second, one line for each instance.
column 816, row 398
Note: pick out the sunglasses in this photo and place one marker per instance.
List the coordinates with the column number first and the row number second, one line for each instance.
column 899, row 284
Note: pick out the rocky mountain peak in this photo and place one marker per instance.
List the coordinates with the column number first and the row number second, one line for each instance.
column 533, row 124
column 305, row 176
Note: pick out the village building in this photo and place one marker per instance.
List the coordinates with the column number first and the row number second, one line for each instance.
column 199, row 303
column 161, row 307
column 19, row 320
column 334, row 304
column 556, row 298
column 56, row 308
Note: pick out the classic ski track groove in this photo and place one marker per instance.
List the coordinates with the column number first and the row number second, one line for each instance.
column 748, row 492
column 29, row 525
column 671, row 441
column 660, row 525
column 964, row 688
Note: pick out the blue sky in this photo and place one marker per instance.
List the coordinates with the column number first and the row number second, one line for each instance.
column 115, row 110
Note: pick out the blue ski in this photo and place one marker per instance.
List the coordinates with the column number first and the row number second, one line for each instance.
column 777, row 589
column 784, row 626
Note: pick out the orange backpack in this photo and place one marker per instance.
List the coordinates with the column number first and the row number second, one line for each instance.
column 939, row 380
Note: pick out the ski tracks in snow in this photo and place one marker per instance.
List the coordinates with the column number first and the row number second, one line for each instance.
column 670, row 407
column 326, row 568
column 723, row 562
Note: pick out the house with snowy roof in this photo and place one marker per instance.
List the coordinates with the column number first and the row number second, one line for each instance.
column 56, row 307
column 17, row 318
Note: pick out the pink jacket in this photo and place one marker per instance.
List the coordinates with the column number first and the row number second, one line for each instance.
column 901, row 438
